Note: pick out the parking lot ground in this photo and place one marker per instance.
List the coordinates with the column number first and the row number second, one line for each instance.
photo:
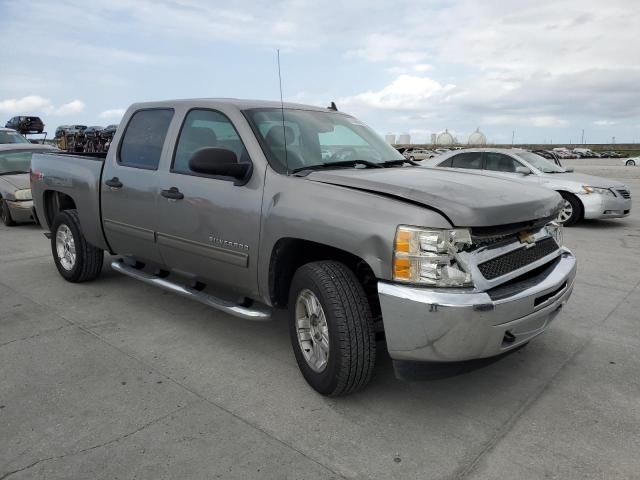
column 116, row 379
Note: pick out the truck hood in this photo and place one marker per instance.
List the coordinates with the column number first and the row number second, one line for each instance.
column 467, row 199
column 581, row 179
column 19, row 181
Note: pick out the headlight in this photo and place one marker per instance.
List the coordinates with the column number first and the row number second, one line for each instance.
column 428, row 257
column 23, row 194
column 600, row 190
column 555, row 230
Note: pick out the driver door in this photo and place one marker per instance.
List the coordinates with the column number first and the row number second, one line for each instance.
column 208, row 229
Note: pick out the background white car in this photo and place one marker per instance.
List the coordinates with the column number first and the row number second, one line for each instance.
column 585, row 196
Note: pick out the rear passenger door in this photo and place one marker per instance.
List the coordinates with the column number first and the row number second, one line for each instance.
column 130, row 185
column 467, row 160
column 505, row 166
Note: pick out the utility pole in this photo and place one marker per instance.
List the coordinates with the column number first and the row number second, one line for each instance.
column 583, row 136
column 513, row 136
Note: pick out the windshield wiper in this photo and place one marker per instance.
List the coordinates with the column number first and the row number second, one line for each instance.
column 342, row 163
column 13, row 172
column 391, row 163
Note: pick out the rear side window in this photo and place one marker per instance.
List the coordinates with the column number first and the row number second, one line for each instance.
column 472, row 160
column 142, row 143
column 446, row 163
column 500, row 163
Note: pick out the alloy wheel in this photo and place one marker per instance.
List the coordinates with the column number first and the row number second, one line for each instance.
column 312, row 330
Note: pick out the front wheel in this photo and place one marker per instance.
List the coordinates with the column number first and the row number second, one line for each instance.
column 331, row 328
column 571, row 210
column 76, row 259
column 5, row 214
column 630, row 163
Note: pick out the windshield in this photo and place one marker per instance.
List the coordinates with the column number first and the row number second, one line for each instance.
column 541, row 163
column 315, row 138
column 7, row 136
column 15, row 161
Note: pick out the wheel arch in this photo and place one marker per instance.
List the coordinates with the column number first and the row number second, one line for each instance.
column 288, row 254
column 567, row 192
column 55, row 202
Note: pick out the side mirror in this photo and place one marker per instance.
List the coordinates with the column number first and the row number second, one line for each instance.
column 568, row 169
column 219, row 162
column 523, row 170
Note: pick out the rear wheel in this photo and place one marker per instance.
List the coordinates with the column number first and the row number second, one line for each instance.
column 571, row 210
column 5, row 214
column 76, row 259
column 630, row 163
column 331, row 328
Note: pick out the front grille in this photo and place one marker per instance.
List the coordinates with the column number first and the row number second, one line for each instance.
column 509, row 262
column 624, row 193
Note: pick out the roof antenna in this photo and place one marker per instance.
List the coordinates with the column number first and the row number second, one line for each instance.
column 284, row 133
column 333, row 107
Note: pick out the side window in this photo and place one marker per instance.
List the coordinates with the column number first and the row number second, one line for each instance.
column 142, row 143
column 472, row 160
column 446, row 163
column 499, row 162
column 206, row 128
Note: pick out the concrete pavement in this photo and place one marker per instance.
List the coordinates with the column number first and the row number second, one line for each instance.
column 116, row 379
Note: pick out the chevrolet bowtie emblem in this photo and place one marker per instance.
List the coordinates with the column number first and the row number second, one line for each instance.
column 526, row 238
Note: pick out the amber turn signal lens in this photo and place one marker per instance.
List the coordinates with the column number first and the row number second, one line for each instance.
column 402, row 268
column 403, row 241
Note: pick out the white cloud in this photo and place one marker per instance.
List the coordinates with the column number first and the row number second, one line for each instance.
column 543, row 121
column 604, row 123
column 72, row 108
column 27, row 104
column 406, row 92
column 113, row 114
column 35, row 104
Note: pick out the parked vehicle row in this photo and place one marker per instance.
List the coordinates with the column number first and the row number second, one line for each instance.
column 80, row 138
column 247, row 206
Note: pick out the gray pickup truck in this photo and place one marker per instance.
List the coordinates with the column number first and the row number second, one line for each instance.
column 247, row 206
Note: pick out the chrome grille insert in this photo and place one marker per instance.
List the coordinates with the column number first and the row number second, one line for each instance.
column 624, row 193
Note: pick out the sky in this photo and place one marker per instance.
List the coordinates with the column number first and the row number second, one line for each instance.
column 539, row 70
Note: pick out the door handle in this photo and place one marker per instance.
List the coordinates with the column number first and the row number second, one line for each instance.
column 173, row 194
column 114, row 183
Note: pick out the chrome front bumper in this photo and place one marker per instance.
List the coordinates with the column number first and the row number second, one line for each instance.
column 597, row 205
column 21, row 211
column 447, row 325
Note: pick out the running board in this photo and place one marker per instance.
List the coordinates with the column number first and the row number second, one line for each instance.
column 248, row 313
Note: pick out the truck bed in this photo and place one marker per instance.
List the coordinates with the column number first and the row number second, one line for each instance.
column 76, row 175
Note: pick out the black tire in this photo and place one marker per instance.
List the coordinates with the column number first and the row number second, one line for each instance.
column 352, row 347
column 5, row 214
column 88, row 259
column 411, row 158
column 630, row 163
column 577, row 209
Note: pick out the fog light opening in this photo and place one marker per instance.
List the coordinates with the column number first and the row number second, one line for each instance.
column 508, row 337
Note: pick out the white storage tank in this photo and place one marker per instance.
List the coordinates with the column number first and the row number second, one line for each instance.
column 445, row 138
column 404, row 139
column 477, row 138
column 390, row 138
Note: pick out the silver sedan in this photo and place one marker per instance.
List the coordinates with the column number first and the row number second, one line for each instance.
column 585, row 196
column 15, row 192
